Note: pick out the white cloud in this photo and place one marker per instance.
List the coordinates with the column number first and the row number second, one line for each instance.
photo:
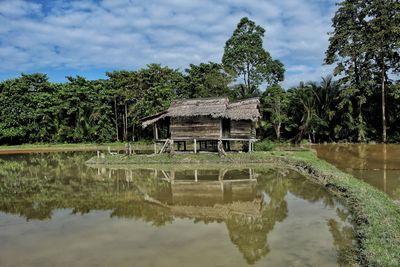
column 17, row 8
column 128, row 34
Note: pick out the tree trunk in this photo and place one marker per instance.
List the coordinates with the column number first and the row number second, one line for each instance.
column 123, row 126
column 126, row 122
column 133, row 132
column 360, row 128
column 383, row 104
column 116, row 117
column 313, row 135
column 278, row 131
column 248, row 80
column 245, row 89
column 361, row 132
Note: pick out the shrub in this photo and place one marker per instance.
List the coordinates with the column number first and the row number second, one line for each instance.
column 265, row 145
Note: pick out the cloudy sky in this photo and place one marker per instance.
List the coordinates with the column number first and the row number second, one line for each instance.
column 88, row 38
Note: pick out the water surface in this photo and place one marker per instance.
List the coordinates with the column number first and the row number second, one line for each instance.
column 55, row 211
column 376, row 164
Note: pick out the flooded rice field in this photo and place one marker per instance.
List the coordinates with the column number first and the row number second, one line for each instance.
column 376, row 164
column 56, row 211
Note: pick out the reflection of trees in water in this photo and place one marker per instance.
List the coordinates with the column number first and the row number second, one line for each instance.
column 250, row 234
column 311, row 192
column 342, row 234
column 35, row 187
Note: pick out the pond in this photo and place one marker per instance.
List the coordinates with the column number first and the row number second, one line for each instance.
column 56, row 211
column 376, row 164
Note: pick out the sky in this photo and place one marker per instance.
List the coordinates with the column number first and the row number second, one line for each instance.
column 89, row 37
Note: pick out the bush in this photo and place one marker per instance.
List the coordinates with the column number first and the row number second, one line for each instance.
column 265, row 145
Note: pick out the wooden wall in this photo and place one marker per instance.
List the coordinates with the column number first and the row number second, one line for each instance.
column 195, row 127
column 206, row 127
column 243, row 129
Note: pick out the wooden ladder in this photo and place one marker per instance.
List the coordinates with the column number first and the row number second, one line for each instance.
column 165, row 146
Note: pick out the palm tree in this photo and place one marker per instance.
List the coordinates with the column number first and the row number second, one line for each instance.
column 305, row 100
column 327, row 94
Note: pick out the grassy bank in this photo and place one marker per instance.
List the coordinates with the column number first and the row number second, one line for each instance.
column 376, row 218
column 73, row 147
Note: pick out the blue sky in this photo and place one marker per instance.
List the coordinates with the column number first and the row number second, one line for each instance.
column 68, row 38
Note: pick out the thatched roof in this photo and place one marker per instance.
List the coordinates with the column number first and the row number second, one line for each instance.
column 146, row 121
column 243, row 110
column 214, row 107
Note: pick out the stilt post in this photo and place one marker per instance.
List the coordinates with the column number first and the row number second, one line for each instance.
column 172, row 149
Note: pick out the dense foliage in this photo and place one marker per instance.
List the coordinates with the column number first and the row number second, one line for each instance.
column 365, row 46
column 361, row 105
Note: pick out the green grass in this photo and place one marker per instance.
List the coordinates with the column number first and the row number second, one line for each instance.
column 376, row 218
column 78, row 147
column 200, row 158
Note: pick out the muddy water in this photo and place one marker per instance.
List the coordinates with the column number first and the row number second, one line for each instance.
column 55, row 211
column 378, row 165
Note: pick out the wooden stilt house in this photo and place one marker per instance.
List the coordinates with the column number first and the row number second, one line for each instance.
column 207, row 122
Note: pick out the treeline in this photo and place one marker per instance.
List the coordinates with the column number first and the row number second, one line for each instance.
column 326, row 111
column 362, row 104
column 81, row 110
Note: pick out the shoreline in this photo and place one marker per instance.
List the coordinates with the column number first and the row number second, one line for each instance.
column 375, row 217
column 79, row 147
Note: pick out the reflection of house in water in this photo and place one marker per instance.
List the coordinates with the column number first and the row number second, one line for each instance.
column 226, row 196
column 211, row 193
column 208, row 187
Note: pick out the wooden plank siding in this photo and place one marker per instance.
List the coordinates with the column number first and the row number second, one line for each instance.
column 243, row 129
column 195, row 127
column 202, row 127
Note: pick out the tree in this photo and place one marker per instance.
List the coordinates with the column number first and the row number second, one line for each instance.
column 246, row 58
column 303, row 110
column 347, row 50
column 275, row 103
column 365, row 46
column 383, row 43
column 85, row 112
column 327, row 95
column 28, row 108
column 126, row 89
column 206, row 80
column 160, row 85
